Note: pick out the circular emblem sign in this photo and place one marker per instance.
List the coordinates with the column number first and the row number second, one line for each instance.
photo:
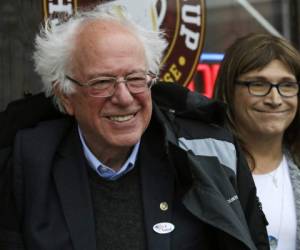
column 183, row 22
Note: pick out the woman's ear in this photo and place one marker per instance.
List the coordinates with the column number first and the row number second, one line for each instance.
column 64, row 99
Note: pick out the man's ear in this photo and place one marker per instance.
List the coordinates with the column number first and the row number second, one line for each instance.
column 64, row 99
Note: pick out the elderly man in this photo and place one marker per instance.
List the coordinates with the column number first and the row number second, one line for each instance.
column 120, row 171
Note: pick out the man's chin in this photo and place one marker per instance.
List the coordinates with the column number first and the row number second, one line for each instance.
column 128, row 140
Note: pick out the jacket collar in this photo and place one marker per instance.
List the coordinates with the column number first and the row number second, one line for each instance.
column 71, row 179
column 157, row 185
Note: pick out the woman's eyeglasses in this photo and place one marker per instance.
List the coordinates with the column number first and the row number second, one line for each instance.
column 261, row 88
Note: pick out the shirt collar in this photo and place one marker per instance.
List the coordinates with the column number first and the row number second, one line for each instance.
column 105, row 171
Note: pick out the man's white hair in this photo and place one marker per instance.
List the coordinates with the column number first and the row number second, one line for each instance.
column 55, row 43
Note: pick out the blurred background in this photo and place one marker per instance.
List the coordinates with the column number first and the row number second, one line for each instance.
column 219, row 23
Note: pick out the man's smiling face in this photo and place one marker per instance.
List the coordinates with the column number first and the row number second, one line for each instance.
column 108, row 49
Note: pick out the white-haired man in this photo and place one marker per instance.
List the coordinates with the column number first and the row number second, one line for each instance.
column 119, row 170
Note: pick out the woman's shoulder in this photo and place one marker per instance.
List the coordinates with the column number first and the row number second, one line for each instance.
column 291, row 163
column 294, row 173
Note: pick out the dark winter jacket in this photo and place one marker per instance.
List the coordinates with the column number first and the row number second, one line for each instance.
column 211, row 178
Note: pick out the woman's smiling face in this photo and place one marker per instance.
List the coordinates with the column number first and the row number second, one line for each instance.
column 268, row 115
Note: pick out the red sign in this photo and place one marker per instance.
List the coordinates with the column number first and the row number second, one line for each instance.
column 207, row 74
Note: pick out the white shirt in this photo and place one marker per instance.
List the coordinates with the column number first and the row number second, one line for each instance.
column 275, row 192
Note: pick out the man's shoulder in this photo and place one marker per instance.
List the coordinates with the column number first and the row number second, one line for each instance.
column 192, row 129
column 188, row 105
column 190, row 114
column 52, row 130
column 25, row 113
column 38, row 145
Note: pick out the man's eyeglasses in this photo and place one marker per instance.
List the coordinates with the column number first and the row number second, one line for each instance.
column 260, row 88
column 104, row 86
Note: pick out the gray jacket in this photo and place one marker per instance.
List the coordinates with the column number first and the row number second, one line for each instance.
column 294, row 172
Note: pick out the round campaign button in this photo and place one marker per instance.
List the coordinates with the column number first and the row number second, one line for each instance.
column 163, row 227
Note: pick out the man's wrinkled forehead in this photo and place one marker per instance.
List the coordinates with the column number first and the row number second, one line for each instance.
column 104, row 27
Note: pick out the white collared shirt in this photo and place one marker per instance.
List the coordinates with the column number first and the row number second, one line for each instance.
column 105, row 171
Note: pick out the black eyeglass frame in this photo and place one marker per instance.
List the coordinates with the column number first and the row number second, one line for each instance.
column 271, row 85
column 149, row 83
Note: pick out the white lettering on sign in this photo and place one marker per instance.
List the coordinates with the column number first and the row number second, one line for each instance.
column 60, row 7
column 191, row 37
column 191, row 14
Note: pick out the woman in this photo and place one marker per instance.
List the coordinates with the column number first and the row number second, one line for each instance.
column 259, row 81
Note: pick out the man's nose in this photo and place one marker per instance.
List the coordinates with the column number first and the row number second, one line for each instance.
column 122, row 94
